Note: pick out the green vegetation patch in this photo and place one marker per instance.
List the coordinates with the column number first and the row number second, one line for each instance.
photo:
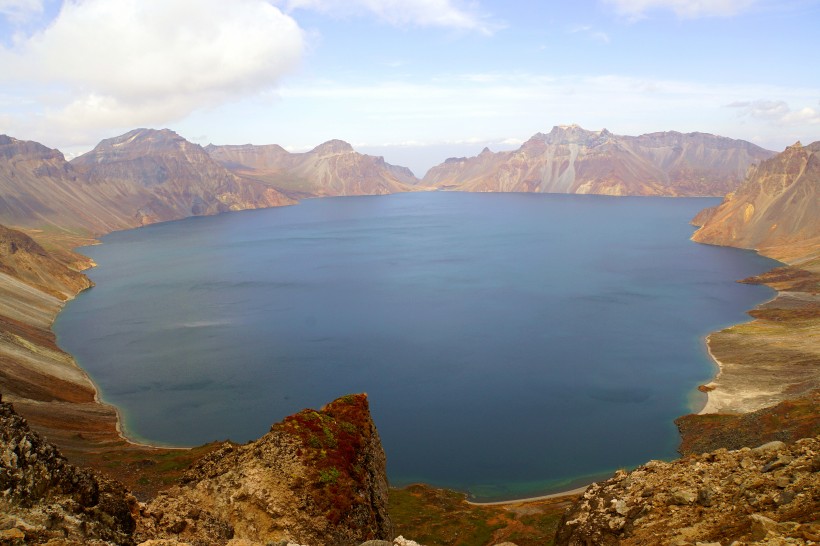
column 439, row 517
column 333, row 444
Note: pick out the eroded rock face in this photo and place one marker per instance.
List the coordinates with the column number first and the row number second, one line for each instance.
column 316, row 478
column 766, row 495
column 44, row 498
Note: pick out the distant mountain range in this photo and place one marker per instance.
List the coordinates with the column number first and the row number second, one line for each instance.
column 570, row 159
column 147, row 176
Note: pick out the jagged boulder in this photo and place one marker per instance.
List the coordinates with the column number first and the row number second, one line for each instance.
column 316, row 478
column 44, row 498
column 766, row 495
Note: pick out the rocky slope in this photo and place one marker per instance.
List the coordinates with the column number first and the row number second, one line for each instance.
column 776, row 211
column 40, row 189
column 570, row 159
column 45, row 383
column 23, row 258
column 331, row 169
column 767, row 495
column 47, row 500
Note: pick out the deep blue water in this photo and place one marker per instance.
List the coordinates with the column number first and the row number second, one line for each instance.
column 509, row 343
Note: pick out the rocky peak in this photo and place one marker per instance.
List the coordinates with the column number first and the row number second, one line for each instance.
column 331, row 147
column 316, row 478
column 11, row 148
column 134, row 144
column 569, row 134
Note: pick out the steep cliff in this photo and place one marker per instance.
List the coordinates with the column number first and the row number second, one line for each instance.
column 331, row 169
column 316, row 478
column 570, row 159
column 776, row 211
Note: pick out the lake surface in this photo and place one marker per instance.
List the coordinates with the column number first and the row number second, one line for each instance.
column 510, row 344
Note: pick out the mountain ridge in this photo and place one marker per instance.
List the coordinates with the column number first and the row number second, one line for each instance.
column 332, row 168
column 156, row 175
column 570, row 159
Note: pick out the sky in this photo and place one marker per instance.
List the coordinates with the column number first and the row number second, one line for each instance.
column 416, row 81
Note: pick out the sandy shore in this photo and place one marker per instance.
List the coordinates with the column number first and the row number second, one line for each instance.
column 712, row 405
column 569, row 493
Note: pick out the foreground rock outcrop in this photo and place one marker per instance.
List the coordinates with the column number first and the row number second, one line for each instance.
column 570, row 159
column 317, row 478
column 766, row 495
column 46, row 499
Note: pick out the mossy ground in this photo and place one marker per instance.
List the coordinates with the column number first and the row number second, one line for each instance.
column 143, row 470
column 439, row 517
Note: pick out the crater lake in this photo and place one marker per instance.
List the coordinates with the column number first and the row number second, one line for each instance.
column 510, row 344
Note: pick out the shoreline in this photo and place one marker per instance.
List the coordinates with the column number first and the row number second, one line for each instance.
column 710, row 406
column 570, row 493
column 765, row 361
column 118, row 426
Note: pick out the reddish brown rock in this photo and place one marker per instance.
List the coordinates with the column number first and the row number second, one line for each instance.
column 317, row 478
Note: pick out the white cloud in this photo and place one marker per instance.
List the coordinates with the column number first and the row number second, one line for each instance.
column 590, row 32
column 496, row 106
column 425, row 13
column 777, row 112
column 688, row 9
column 119, row 63
column 18, row 11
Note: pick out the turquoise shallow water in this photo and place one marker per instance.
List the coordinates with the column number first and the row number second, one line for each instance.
column 509, row 343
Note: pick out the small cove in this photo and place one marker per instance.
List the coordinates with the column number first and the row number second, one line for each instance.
column 510, row 343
